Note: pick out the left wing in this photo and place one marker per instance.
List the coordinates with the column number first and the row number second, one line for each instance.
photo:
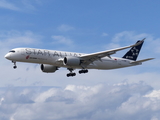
column 89, row 58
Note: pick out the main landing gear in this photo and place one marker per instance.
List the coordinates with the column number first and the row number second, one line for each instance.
column 15, row 66
column 71, row 74
column 83, row 71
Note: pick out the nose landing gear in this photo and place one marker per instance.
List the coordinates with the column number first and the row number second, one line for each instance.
column 15, row 66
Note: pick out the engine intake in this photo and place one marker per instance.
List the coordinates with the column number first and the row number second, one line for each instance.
column 71, row 61
column 48, row 68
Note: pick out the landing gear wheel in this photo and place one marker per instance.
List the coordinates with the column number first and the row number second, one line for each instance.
column 68, row 75
column 71, row 74
column 83, row 71
column 14, row 64
column 80, row 72
column 14, row 67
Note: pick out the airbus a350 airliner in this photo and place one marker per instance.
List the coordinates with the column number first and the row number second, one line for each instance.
column 52, row 60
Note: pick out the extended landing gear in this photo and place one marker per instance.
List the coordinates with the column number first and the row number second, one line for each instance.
column 14, row 64
column 14, row 67
column 71, row 74
column 83, row 71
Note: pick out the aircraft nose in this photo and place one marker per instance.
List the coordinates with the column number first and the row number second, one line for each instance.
column 7, row 56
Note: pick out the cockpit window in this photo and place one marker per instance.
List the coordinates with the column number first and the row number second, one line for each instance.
column 12, row 51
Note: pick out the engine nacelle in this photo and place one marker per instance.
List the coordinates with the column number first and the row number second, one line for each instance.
column 71, row 61
column 48, row 68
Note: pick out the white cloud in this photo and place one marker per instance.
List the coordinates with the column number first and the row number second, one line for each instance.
column 130, row 36
column 8, row 5
column 28, row 5
column 62, row 40
column 45, row 95
column 16, row 38
column 65, row 28
column 155, row 94
column 104, row 34
column 24, row 5
column 75, row 102
column 112, row 46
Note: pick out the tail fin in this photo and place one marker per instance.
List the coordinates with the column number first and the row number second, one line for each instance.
column 133, row 53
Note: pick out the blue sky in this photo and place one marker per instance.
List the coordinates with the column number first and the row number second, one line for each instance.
column 86, row 27
column 86, row 20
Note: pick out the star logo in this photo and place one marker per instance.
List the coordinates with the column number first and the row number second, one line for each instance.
column 134, row 51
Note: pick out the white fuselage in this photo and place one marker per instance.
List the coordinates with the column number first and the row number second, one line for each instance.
column 52, row 57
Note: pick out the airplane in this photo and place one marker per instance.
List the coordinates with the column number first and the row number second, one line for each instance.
column 52, row 60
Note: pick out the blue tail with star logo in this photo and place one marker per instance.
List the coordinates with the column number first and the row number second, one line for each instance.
column 133, row 53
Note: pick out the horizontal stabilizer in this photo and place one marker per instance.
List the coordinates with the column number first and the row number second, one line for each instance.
column 140, row 61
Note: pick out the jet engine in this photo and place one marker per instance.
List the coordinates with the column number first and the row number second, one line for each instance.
column 48, row 68
column 71, row 61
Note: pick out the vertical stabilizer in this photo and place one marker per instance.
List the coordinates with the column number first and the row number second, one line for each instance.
column 133, row 53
